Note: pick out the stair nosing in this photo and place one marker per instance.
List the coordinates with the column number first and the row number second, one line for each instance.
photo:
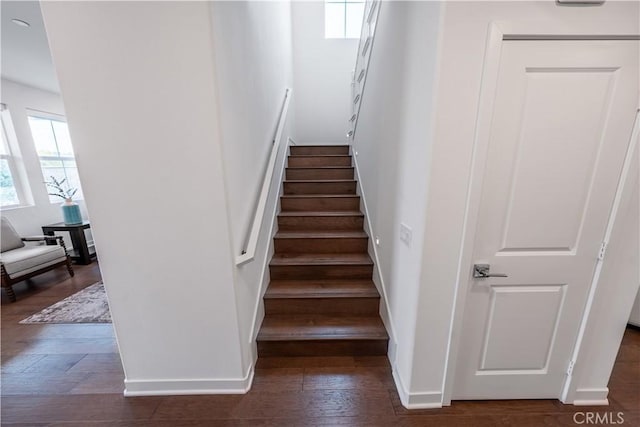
column 318, row 181
column 378, row 331
column 296, row 168
column 320, row 213
column 326, row 196
column 344, row 295
column 319, row 145
column 319, row 155
column 315, row 234
column 295, row 289
column 321, row 260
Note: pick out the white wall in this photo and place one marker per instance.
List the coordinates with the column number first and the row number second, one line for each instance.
column 393, row 141
column 252, row 45
column 38, row 210
column 322, row 69
column 140, row 93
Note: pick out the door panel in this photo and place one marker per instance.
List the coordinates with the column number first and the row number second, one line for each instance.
column 567, row 145
column 521, row 327
column 562, row 117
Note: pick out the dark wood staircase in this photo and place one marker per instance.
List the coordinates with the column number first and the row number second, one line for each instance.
column 321, row 300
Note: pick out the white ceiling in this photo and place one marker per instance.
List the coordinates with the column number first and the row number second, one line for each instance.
column 26, row 57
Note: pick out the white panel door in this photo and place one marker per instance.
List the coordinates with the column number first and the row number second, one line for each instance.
column 562, row 118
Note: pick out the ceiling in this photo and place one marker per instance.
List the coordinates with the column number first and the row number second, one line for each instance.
column 26, row 57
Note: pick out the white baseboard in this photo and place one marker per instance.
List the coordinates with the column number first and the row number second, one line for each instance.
column 591, row 397
column 174, row 387
column 421, row 400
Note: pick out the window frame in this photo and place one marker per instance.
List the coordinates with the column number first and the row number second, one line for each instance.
column 52, row 117
column 9, row 141
column 344, row 32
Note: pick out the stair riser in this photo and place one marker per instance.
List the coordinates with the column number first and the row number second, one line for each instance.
column 320, row 272
column 324, row 306
column 320, row 246
column 317, row 173
column 320, row 187
column 322, row 348
column 321, row 204
column 310, row 223
column 327, row 149
column 319, row 161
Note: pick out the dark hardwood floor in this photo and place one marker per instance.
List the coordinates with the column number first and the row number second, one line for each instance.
column 70, row 375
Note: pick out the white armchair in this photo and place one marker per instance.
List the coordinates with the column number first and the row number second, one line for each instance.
column 19, row 261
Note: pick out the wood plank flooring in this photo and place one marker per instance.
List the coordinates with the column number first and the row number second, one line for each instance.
column 70, row 375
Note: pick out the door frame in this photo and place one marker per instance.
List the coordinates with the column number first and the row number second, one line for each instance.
column 499, row 32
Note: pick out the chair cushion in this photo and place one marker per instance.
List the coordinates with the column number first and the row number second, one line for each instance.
column 30, row 258
column 8, row 237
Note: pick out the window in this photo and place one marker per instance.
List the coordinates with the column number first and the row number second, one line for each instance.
column 9, row 189
column 343, row 19
column 53, row 145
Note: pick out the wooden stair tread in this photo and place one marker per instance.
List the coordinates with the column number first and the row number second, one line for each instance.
column 320, row 234
column 305, row 327
column 311, row 196
column 316, row 181
column 321, row 299
column 321, row 289
column 319, row 155
column 320, row 167
column 320, row 145
column 321, row 213
column 321, row 259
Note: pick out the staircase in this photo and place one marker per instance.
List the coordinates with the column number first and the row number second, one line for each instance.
column 321, row 300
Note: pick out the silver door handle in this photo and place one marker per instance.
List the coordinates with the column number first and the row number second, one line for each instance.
column 481, row 271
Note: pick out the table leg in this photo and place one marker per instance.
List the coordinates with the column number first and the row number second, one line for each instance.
column 79, row 242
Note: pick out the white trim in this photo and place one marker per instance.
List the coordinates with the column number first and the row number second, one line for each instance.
column 258, row 311
column 624, row 175
column 385, row 310
column 591, row 396
column 422, row 400
column 46, row 115
column 16, row 162
column 174, row 387
column 252, row 243
column 488, row 86
column 363, row 59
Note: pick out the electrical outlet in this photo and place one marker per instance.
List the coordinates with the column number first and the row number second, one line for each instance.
column 405, row 234
column 355, row 152
column 377, row 240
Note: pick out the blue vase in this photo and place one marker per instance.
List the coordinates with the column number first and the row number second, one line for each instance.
column 71, row 212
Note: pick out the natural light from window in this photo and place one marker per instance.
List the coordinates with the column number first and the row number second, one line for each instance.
column 53, row 145
column 8, row 191
column 343, row 19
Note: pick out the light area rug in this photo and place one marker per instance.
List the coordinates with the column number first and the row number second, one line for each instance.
column 86, row 306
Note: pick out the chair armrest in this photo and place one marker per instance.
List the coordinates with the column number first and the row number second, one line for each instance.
column 40, row 238
column 49, row 240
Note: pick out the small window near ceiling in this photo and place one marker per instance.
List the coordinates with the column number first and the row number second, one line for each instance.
column 343, row 19
column 53, row 145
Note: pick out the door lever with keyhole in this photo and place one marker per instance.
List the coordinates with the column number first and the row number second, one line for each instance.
column 481, row 271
